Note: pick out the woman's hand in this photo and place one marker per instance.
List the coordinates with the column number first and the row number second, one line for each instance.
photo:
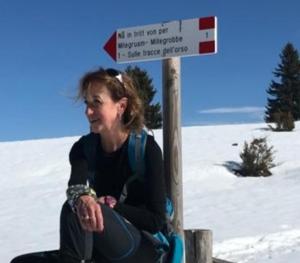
column 89, row 214
column 107, row 200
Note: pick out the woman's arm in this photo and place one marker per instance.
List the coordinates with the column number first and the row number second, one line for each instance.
column 79, row 165
column 79, row 173
column 81, row 197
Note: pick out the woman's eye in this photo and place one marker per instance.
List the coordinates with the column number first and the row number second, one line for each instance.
column 97, row 102
column 94, row 103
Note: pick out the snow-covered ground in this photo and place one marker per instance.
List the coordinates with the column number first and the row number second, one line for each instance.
column 252, row 219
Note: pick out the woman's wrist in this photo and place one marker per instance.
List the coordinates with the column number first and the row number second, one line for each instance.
column 74, row 192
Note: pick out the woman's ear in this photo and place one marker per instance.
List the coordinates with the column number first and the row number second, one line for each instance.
column 123, row 105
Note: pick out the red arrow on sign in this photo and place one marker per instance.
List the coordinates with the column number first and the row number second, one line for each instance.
column 111, row 46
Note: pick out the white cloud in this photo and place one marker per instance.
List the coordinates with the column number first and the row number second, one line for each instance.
column 233, row 110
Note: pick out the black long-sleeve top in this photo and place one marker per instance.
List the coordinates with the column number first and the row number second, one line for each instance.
column 144, row 206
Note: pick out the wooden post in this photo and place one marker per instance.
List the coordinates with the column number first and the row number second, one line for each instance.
column 198, row 246
column 172, row 137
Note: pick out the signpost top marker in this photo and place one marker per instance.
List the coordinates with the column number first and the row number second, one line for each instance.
column 179, row 38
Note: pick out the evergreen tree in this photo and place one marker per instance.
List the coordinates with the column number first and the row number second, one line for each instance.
column 285, row 94
column 153, row 115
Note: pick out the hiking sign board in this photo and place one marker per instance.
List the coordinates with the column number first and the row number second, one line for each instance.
column 179, row 38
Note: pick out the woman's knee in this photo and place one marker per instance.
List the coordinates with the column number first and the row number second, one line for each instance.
column 66, row 211
column 116, row 228
column 66, row 208
column 68, row 219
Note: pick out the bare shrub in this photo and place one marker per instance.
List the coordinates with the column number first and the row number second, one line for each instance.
column 257, row 158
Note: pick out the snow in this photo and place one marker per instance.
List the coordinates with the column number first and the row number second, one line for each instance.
column 252, row 219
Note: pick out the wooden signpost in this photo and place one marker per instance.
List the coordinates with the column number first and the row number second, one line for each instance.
column 168, row 42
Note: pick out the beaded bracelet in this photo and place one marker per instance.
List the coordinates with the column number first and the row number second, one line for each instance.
column 75, row 191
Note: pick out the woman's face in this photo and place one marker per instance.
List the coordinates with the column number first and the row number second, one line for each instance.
column 102, row 112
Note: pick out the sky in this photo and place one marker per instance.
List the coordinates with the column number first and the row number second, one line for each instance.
column 46, row 46
column 252, row 219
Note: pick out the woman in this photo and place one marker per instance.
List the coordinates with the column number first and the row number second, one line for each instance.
column 95, row 225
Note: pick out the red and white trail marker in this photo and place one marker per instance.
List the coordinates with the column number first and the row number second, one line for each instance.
column 179, row 38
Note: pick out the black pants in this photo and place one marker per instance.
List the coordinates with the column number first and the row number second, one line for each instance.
column 120, row 241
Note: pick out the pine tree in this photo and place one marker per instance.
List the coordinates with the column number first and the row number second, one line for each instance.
column 153, row 115
column 285, row 94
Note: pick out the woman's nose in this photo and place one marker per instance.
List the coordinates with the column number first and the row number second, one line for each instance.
column 89, row 111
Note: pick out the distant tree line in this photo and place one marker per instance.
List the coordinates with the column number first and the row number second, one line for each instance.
column 283, row 105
